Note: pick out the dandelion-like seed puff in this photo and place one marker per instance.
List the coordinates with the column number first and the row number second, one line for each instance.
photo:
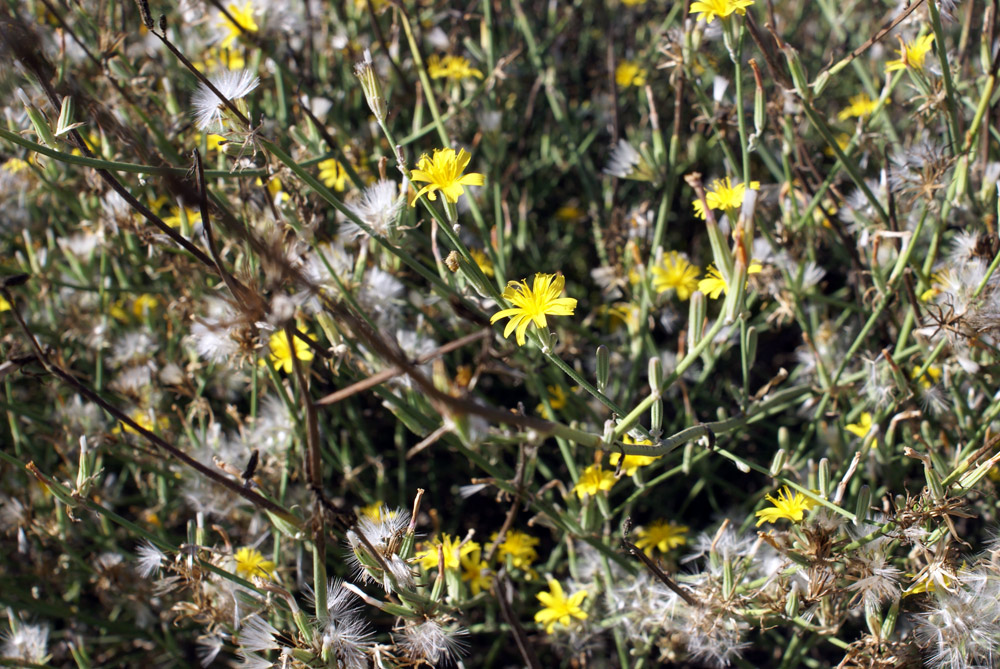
column 531, row 305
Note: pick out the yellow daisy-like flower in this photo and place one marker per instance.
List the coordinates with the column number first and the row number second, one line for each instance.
column 930, row 376
column 175, row 219
column 633, row 462
column 911, row 54
column 859, row 106
column 724, row 196
column 143, row 419
column 241, row 18
column 250, row 562
column 593, row 480
column 557, row 400
column 862, row 427
column 531, row 305
column 519, row 546
column 443, row 172
column 14, row 165
column 453, row 550
column 709, row 9
column 145, row 304
column 662, row 535
column 558, row 608
column 475, row 571
column 4, row 305
column 713, row 285
column 629, row 73
column 281, row 353
column 451, row 67
column 215, row 142
column 483, row 260
column 675, row 272
column 787, row 505
column 332, row 174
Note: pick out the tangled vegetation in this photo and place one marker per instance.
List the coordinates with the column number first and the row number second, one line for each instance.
column 509, row 333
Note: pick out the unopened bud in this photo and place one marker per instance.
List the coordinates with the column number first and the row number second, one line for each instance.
column 365, row 72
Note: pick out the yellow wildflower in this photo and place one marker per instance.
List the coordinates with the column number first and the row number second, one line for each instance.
column 558, row 607
column 787, row 505
column 557, row 400
column 238, row 18
column 144, row 304
column 859, row 105
column 143, row 419
column 483, row 260
column 4, row 305
column 709, row 9
column 713, row 285
column 443, row 172
column 453, row 550
column 633, row 462
column 281, row 353
column 250, row 562
column 674, row 271
column 724, row 196
column 332, row 174
column 178, row 216
column 593, row 480
column 911, row 54
column 519, row 547
column 930, row 376
column 662, row 535
column 862, row 427
column 629, row 73
column 14, row 165
column 451, row 67
column 531, row 305
column 475, row 571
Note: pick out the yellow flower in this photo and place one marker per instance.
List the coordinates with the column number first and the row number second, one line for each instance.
column 475, row 571
column 859, row 105
column 724, row 196
column 443, row 172
column 593, row 480
column 372, row 511
column 661, row 534
column 250, row 562
column 4, row 305
column 451, row 67
column 241, row 18
column 332, row 174
column 174, row 220
column 143, row 419
column 674, row 271
column 215, row 142
column 633, row 3
column 930, row 376
column 709, row 9
column 912, row 54
column 453, row 550
column 788, row 505
column 533, row 304
column 519, row 546
column 281, row 353
column 558, row 607
column 557, row 400
column 144, row 304
column 713, row 285
column 633, row 462
column 14, row 165
column 483, row 260
column 862, row 427
column 628, row 73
